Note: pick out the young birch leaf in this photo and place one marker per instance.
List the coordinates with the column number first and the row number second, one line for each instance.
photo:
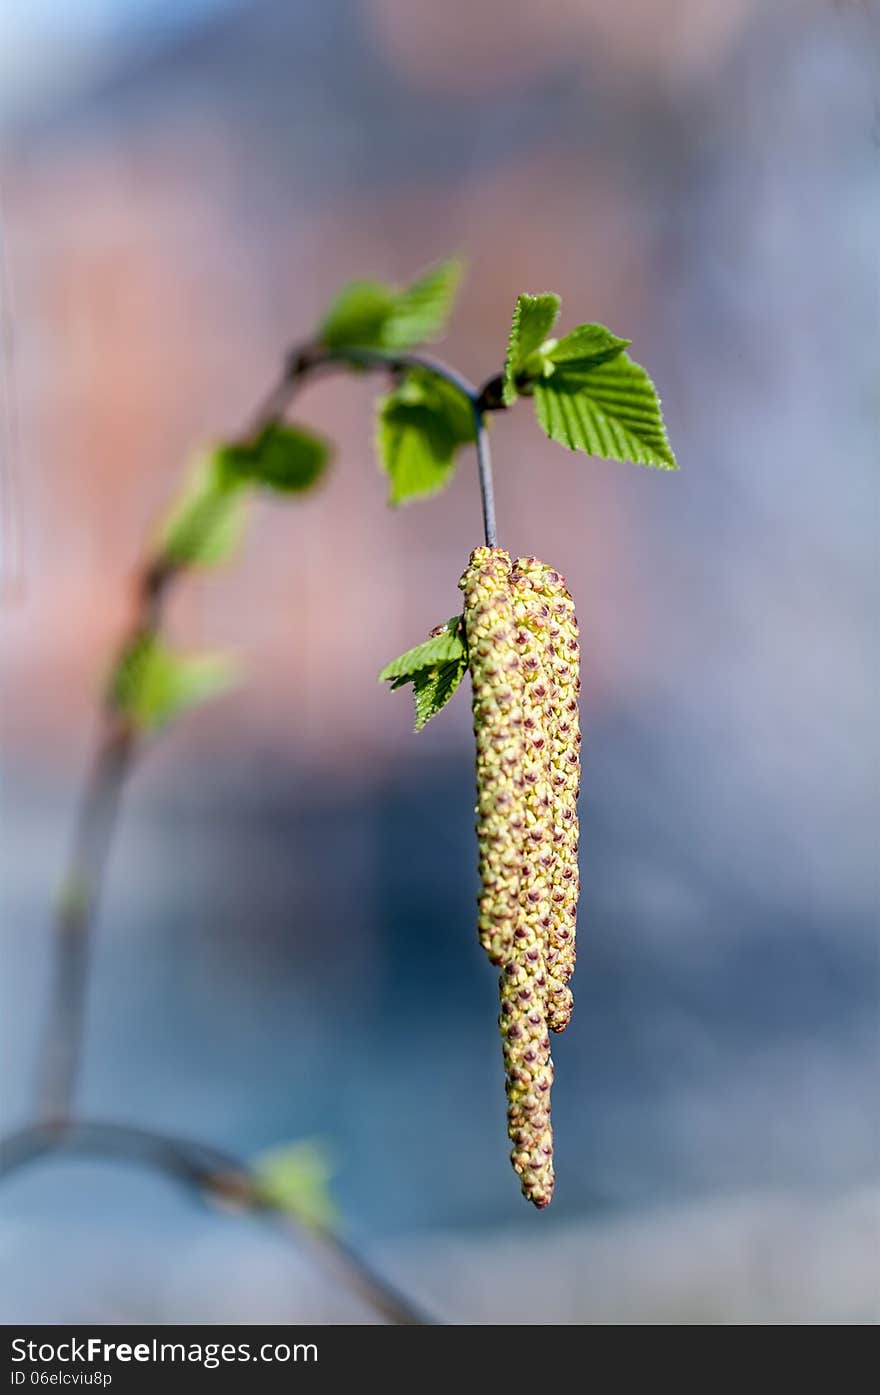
column 151, row 685
column 357, row 316
column 368, row 314
column 285, row 459
column 130, row 681
column 433, row 687
column 420, row 311
column 434, row 668
column 295, row 1178
column 206, row 523
column 420, row 427
column 533, row 318
column 611, row 409
column 440, row 648
column 417, row 452
column 193, row 681
column 585, row 347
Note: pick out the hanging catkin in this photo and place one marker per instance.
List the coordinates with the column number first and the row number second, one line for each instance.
column 497, row 685
column 525, row 988
column 545, row 609
column 522, row 653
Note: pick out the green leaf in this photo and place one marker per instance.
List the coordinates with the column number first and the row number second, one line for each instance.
column 415, row 449
column 611, row 409
column 193, row 681
column 433, row 687
column 285, row 459
column 585, row 347
column 357, row 316
column 440, row 648
column 420, row 427
column 434, row 668
column 295, row 1178
column 533, row 318
column 152, row 685
column 421, row 310
column 206, row 523
column 368, row 314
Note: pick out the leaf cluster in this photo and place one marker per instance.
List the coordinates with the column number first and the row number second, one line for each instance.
column 588, row 394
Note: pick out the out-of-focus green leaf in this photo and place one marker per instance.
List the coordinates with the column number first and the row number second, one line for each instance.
column 285, row 459
column 368, row 314
column 151, row 685
column 357, row 316
column 420, row 427
column 205, row 525
column 420, row 311
column 295, row 1177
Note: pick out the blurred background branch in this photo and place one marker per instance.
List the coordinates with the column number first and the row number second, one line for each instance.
column 213, row 1176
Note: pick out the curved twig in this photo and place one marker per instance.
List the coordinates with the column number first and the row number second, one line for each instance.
column 214, row 1175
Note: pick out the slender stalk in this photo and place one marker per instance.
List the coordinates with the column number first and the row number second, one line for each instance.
column 487, row 488
column 214, row 1175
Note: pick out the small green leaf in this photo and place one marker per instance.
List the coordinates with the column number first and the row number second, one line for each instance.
column 368, row 314
column 611, row 409
column 152, row 685
column 420, row 427
column 285, row 459
column 357, row 316
column 585, row 347
column 206, row 523
column 196, row 680
column 533, row 318
column 433, row 687
column 434, row 668
column 295, row 1178
column 440, row 648
column 416, row 451
column 421, row 310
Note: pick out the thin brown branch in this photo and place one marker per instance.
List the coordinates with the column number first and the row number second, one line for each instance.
column 216, row 1176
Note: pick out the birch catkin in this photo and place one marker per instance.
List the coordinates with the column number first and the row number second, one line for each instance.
column 544, row 606
column 497, row 685
column 522, row 652
column 524, row 984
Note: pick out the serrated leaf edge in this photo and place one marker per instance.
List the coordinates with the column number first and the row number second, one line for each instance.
column 661, row 457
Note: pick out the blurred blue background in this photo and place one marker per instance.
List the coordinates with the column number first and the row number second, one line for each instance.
column 287, row 945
